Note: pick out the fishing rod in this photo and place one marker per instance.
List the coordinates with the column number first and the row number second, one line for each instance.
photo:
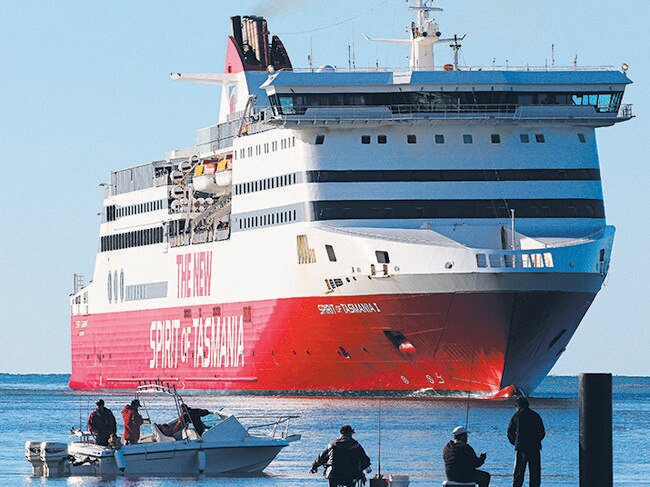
column 469, row 390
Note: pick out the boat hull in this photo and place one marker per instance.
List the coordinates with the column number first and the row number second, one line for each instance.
column 442, row 342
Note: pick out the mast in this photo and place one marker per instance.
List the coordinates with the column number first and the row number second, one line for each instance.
column 424, row 34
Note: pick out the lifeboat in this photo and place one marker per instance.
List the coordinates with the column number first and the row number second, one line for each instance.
column 213, row 177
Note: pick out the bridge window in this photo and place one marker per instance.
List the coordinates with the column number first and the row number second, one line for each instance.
column 496, row 138
column 320, row 139
column 330, row 253
column 524, row 138
column 365, row 139
column 382, row 139
column 539, row 138
column 467, row 139
column 411, row 139
column 382, row 257
column 440, row 139
column 582, row 138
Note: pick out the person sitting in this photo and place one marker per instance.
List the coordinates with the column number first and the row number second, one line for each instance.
column 193, row 416
column 188, row 416
column 461, row 462
column 101, row 423
column 132, row 422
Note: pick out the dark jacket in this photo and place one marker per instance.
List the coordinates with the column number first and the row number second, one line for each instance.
column 195, row 415
column 102, row 425
column 344, row 458
column 132, row 422
column 460, row 461
column 526, row 430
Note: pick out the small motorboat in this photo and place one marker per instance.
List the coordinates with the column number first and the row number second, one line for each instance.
column 172, row 449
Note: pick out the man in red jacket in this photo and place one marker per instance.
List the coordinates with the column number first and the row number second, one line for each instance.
column 132, row 422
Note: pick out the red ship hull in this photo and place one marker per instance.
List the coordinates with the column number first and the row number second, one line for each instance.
column 478, row 342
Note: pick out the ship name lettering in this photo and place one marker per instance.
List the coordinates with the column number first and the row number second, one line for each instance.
column 348, row 308
column 163, row 340
column 218, row 341
column 194, row 274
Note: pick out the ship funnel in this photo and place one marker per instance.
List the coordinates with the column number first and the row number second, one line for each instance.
column 251, row 36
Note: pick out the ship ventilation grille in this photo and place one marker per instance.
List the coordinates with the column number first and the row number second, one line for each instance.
column 305, row 254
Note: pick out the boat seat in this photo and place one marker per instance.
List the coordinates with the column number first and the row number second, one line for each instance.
column 158, row 436
column 190, row 433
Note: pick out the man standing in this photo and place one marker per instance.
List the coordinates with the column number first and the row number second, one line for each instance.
column 132, row 422
column 461, row 462
column 101, row 423
column 526, row 432
column 344, row 460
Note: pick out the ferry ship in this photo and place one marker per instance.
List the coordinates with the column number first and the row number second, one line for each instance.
column 436, row 228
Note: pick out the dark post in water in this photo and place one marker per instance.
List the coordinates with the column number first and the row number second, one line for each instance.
column 595, row 403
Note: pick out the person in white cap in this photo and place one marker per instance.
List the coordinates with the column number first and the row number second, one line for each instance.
column 461, row 462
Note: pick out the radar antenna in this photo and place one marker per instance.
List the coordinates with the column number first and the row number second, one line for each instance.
column 455, row 46
column 425, row 34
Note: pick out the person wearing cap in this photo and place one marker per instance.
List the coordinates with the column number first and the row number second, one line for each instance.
column 461, row 462
column 344, row 460
column 132, row 422
column 101, row 423
column 526, row 432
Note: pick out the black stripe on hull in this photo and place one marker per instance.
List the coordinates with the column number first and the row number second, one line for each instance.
column 494, row 208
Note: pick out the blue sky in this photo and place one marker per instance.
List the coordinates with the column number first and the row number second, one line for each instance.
column 86, row 90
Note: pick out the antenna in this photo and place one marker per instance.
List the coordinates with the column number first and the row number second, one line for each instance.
column 456, row 48
column 552, row 54
column 349, row 57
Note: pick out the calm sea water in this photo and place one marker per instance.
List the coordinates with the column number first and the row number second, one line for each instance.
column 413, row 431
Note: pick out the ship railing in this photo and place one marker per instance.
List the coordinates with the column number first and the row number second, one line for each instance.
column 278, row 427
column 446, row 67
column 425, row 111
column 625, row 111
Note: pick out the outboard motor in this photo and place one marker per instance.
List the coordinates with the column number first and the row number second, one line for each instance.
column 55, row 458
column 33, row 455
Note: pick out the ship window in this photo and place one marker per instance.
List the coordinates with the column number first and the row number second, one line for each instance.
column 524, row 138
column 382, row 139
column 582, row 138
column 496, row 138
column 481, row 260
column 320, row 139
column 411, row 139
column 365, row 139
column 382, row 257
column 330, row 253
column 467, row 139
column 539, row 138
column 439, row 138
